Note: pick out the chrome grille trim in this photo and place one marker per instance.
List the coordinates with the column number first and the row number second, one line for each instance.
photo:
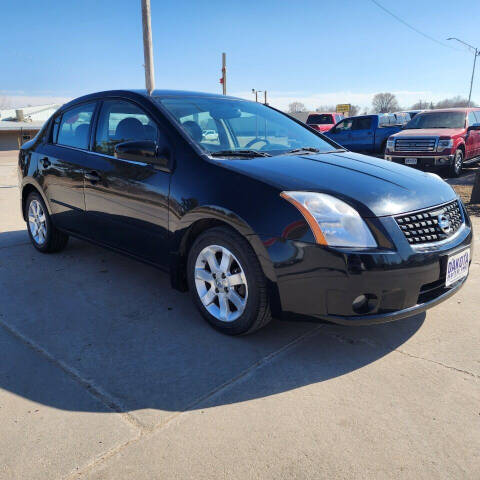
column 419, row 144
column 422, row 227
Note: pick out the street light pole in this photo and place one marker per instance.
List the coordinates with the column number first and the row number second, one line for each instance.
column 475, row 55
column 473, row 73
column 147, row 47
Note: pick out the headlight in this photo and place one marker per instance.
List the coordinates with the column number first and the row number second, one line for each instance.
column 333, row 222
column 391, row 144
column 443, row 144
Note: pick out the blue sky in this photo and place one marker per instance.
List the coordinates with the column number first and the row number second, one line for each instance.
column 318, row 52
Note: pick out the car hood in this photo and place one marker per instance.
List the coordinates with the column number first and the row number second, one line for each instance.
column 429, row 132
column 373, row 186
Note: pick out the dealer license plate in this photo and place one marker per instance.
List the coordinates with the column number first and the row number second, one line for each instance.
column 410, row 161
column 457, row 266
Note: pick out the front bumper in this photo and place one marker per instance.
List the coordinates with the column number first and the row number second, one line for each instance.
column 430, row 161
column 319, row 282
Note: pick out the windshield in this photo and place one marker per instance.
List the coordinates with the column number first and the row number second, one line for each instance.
column 226, row 125
column 437, row 120
column 324, row 119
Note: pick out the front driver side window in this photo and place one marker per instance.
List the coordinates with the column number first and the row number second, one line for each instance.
column 345, row 125
column 122, row 121
column 73, row 128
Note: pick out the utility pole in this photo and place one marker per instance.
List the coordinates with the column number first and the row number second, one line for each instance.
column 265, row 96
column 223, row 80
column 148, row 47
column 476, row 53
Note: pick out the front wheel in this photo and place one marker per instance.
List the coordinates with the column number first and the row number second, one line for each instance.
column 227, row 283
column 43, row 234
column 456, row 167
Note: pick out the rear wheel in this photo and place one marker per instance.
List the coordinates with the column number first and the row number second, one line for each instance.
column 227, row 283
column 456, row 167
column 43, row 234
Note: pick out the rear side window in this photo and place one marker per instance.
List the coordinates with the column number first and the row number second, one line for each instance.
column 477, row 115
column 73, row 128
column 362, row 123
column 122, row 121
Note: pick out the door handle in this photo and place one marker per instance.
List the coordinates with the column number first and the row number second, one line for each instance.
column 92, row 176
column 45, row 162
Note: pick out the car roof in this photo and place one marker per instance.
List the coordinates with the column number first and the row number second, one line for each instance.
column 452, row 109
column 324, row 113
column 144, row 93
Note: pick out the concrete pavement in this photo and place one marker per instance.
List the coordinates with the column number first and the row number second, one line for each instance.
column 107, row 373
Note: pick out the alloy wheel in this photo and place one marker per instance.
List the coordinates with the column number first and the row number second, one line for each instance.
column 221, row 283
column 458, row 162
column 37, row 222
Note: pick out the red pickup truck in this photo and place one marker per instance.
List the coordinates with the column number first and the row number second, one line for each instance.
column 323, row 121
column 438, row 138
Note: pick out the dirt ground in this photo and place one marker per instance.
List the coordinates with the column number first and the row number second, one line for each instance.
column 464, row 185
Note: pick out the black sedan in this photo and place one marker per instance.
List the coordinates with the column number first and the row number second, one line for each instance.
column 256, row 214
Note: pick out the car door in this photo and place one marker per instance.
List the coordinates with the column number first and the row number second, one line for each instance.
column 362, row 134
column 61, row 166
column 472, row 138
column 342, row 133
column 127, row 201
column 475, row 119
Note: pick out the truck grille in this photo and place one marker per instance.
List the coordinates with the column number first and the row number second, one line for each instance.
column 432, row 224
column 415, row 145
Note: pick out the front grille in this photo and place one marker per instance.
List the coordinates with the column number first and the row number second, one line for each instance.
column 432, row 224
column 415, row 145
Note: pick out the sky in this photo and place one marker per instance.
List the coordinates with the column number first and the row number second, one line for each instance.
column 317, row 52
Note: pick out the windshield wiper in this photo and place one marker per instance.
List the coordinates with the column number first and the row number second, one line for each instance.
column 239, row 153
column 315, row 150
column 304, row 149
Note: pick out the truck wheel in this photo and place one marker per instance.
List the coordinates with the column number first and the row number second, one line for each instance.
column 456, row 167
column 227, row 283
column 384, row 150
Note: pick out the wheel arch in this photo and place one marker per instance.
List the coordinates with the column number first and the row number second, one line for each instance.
column 201, row 219
column 461, row 146
column 29, row 187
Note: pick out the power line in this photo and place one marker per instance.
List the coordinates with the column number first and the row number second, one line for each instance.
column 396, row 17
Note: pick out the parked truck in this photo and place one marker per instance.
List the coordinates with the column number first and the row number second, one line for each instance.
column 366, row 133
column 446, row 138
column 323, row 121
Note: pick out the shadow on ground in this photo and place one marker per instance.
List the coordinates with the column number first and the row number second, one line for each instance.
column 119, row 326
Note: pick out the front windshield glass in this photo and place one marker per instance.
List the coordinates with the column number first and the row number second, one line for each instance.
column 437, row 120
column 228, row 125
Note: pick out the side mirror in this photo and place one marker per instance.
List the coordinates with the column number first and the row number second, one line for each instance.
column 475, row 126
column 145, row 151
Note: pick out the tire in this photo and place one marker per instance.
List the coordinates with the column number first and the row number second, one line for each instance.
column 45, row 237
column 244, row 282
column 455, row 169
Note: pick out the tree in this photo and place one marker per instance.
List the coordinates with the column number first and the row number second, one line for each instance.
column 420, row 105
column 296, row 107
column 326, row 108
column 385, row 102
column 354, row 110
column 457, row 101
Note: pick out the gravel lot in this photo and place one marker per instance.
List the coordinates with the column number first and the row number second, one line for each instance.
column 107, row 373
